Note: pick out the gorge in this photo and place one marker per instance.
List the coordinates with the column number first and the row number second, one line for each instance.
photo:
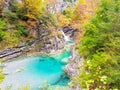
column 41, row 57
column 34, row 71
column 59, row 45
column 43, row 67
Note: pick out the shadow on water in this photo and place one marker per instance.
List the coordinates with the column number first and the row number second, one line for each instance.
column 63, row 80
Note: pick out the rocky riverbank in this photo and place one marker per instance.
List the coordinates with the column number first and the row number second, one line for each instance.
column 71, row 69
column 29, row 48
column 44, row 44
column 45, row 41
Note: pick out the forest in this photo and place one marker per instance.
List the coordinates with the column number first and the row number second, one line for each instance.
column 59, row 45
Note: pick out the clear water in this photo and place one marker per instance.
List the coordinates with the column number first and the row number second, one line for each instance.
column 36, row 70
column 70, row 41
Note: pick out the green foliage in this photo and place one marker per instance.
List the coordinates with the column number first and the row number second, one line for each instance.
column 33, row 9
column 67, row 0
column 12, row 17
column 3, row 27
column 21, row 30
column 1, row 73
column 2, row 34
column 24, row 88
column 100, row 49
column 21, row 13
column 10, row 39
column 13, row 6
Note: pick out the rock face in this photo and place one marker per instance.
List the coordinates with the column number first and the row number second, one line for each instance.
column 71, row 68
column 50, row 45
column 61, row 5
column 49, row 41
column 44, row 43
column 14, row 52
column 69, row 31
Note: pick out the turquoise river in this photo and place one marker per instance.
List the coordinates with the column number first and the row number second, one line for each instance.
column 34, row 71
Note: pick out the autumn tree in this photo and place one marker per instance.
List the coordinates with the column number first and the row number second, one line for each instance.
column 33, row 8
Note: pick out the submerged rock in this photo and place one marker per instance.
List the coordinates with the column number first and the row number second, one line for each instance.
column 20, row 70
column 65, row 60
column 7, row 73
column 69, row 31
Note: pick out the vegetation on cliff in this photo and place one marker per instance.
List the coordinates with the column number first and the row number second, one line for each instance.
column 100, row 47
column 21, row 21
column 97, row 24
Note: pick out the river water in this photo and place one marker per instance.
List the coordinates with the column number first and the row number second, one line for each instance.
column 36, row 70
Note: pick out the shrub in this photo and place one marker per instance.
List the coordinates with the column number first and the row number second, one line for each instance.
column 1, row 74
column 100, row 48
column 3, row 25
column 12, row 17
column 10, row 39
column 21, row 13
column 2, row 34
column 22, row 30
column 13, row 6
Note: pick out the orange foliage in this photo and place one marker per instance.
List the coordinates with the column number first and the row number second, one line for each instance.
column 63, row 21
column 79, row 15
column 52, row 2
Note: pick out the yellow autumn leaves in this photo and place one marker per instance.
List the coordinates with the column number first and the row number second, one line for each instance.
column 34, row 8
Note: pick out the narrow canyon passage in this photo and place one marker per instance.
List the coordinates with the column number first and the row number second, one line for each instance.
column 34, row 71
